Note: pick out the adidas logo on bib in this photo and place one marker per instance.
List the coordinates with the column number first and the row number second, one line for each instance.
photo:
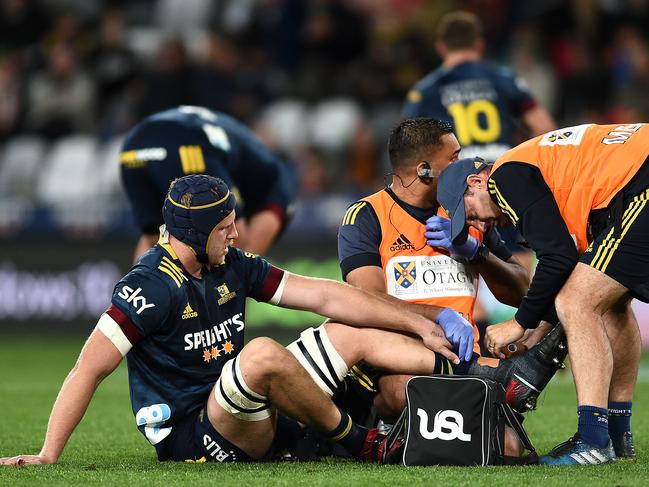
column 402, row 243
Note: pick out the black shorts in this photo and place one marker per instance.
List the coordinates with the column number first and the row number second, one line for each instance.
column 621, row 249
column 195, row 440
column 355, row 394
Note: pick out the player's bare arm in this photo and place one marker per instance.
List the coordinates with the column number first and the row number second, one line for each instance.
column 145, row 242
column 98, row 358
column 508, row 281
column 538, row 120
column 356, row 307
column 261, row 229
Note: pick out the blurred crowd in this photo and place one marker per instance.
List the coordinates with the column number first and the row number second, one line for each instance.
column 320, row 80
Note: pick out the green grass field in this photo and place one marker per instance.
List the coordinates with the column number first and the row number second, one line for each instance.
column 108, row 449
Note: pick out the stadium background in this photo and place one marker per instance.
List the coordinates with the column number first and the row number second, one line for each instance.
column 321, row 81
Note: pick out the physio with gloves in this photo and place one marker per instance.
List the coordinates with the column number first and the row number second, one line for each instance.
column 506, row 277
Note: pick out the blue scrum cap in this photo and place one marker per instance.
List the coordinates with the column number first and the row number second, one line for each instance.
column 194, row 205
column 451, row 187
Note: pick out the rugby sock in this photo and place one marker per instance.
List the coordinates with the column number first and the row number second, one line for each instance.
column 619, row 418
column 349, row 434
column 443, row 365
column 471, row 367
column 593, row 425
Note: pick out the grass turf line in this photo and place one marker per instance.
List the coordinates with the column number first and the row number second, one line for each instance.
column 107, row 448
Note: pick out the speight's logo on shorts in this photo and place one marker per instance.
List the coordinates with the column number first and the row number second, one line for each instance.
column 225, row 293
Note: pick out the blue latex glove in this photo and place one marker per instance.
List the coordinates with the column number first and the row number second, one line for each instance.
column 438, row 234
column 458, row 331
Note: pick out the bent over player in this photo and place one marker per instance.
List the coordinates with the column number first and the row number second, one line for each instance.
column 578, row 195
column 195, row 140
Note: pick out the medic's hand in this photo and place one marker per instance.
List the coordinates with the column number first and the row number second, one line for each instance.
column 438, row 234
column 458, row 331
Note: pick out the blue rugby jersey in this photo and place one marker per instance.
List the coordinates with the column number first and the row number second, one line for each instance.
column 195, row 140
column 482, row 101
column 177, row 331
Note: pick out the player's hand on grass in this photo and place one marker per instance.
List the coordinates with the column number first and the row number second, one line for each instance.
column 22, row 460
column 497, row 337
column 458, row 331
column 437, row 342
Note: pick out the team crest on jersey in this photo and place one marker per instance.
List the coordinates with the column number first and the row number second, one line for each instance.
column 405, row 274
column 225, row 293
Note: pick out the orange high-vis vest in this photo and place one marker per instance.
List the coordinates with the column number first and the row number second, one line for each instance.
column 584, row 166
column 416, row 272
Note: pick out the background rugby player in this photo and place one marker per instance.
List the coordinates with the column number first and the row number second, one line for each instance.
column 195, row 140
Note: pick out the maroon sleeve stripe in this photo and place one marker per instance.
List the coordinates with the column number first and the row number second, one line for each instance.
column 271, row 284
column 274, row 208
column 127, row 326
column 527, row 106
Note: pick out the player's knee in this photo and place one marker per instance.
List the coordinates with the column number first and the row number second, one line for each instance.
column 242, row 394
column 571, row 302
column 347, row 340
column 263, row 356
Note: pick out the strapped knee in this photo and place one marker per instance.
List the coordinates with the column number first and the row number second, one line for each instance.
column 320, row 359
column 233, row 394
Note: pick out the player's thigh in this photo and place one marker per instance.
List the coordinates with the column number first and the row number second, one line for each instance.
column 587, row 291
column 195, row 439
column 241, row 415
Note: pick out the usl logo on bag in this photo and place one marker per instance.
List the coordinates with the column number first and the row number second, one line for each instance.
column 448, row 425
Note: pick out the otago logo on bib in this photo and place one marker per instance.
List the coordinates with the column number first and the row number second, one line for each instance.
column 405, row 274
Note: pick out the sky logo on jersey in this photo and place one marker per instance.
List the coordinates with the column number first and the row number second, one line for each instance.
column 225, row 293
column 138, row 158
column 133, row 297
column 405, row 273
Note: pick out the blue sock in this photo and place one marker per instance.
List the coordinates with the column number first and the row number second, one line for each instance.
column 593, row 425
column 619, row 418
column 349, row 434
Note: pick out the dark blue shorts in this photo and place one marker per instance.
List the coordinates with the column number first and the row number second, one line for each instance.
column 195, row 440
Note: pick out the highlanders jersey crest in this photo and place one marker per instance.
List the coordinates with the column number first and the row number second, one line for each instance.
column 225, row 294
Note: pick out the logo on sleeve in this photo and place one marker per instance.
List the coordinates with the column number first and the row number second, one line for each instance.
column 225, row 293
column 133, row 297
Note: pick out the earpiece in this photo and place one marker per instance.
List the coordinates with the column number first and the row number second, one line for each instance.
column 425, row 171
